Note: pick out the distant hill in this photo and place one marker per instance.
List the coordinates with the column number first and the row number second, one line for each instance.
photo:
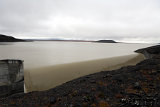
column 4, row 38
column 59, row 40
column 106, row 41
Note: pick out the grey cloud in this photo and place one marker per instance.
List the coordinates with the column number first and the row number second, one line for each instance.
column 122, row 20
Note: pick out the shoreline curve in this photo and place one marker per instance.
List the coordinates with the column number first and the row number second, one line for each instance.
column 44, row 78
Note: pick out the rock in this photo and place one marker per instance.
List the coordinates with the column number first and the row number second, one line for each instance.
column 86, row 98
column 52, row 100
column 77, row 105
column 137, row 85
column 103, row 104
column 108, row 75
column 158, row 71
column 118, row 96
column 93, row 105
column 92, row 81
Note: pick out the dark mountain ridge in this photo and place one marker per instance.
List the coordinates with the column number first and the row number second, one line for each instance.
column 106, row 41
column 4, row 38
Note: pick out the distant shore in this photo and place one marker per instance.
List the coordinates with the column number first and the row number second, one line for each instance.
column 136, row 85
column 106, row 41
column 5, row 38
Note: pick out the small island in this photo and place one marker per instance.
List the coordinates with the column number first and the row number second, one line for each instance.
column 4, row 38
column 106, row 41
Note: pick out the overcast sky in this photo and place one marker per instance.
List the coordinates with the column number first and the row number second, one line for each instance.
column 121, row 20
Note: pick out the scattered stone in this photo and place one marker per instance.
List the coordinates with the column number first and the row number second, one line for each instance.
column 92, row 81
column 52, row 100
column 158, row 70
column 137, row 85
column 119, row 96
column 103, row 104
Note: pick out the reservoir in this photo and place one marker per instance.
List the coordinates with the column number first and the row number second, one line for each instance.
column 39, row 54
column 49, row 64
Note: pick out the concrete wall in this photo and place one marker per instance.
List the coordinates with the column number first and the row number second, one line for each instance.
column 11, row 76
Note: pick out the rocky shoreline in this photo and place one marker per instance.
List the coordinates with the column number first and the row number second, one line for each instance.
column 131, row 86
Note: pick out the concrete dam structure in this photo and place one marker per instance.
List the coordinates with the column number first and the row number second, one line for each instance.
column 11, row 77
